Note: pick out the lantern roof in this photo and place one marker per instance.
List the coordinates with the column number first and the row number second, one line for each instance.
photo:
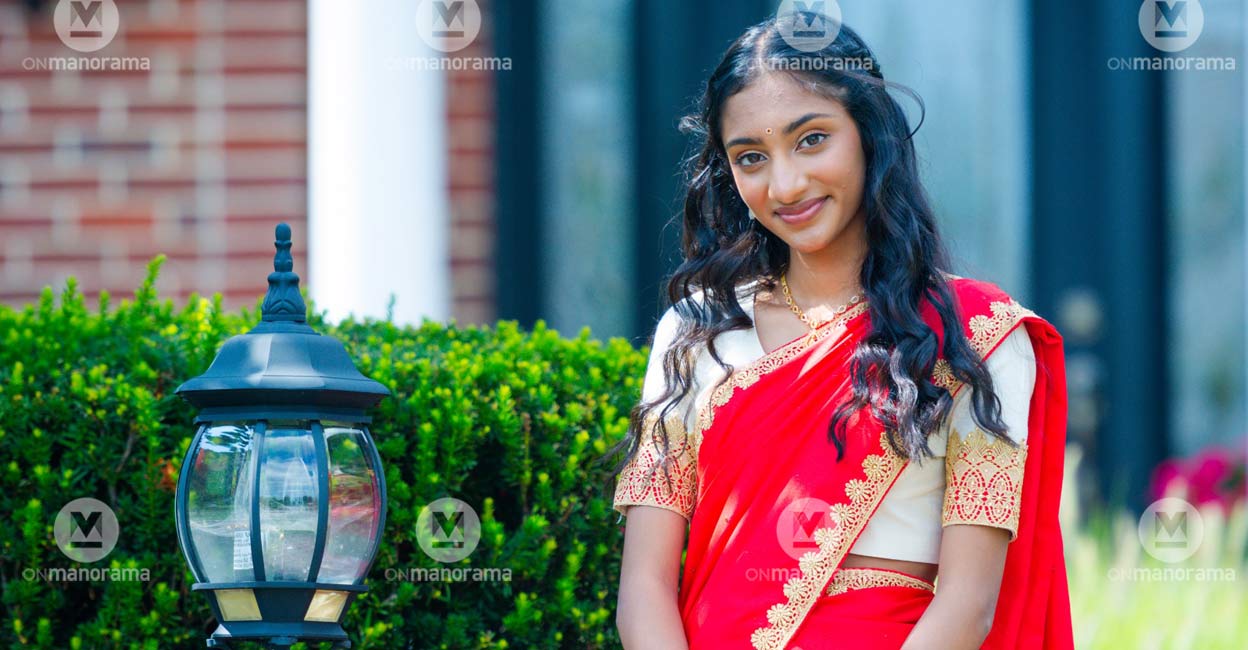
column 282, row 361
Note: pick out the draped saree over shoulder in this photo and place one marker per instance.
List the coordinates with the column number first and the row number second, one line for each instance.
column 776, row 513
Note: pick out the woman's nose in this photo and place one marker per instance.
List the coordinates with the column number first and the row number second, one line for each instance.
column 788, row 183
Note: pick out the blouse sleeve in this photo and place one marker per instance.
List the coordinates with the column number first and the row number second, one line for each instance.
column 642, row 481
column 984, row 474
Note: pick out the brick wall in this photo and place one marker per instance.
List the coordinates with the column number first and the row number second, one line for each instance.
column 196, row 158
column 470, row 175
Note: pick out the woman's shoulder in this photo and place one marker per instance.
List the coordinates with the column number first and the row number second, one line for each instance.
column 987, row 312
column 678, row 318
column 974, row 292
column 685, row 308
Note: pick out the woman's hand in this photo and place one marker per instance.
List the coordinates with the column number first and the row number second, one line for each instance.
column 646, row 614
column 972, row 561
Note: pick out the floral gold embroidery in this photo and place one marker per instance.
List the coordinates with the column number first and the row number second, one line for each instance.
column 983, row 481
column 865, row 578
column 986, row 332
column 748, row 375
column 642, row 482
column 818, row 567
column 942, row 375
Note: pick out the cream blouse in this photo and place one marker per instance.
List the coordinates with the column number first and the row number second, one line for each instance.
column 973, row 478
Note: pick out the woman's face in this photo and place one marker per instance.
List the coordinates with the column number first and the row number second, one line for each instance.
column 797, row 163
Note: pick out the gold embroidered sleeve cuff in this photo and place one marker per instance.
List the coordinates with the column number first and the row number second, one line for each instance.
column 983, row 481
column 642, row 481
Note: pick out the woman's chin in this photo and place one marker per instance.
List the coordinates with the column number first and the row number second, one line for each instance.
column 809, row 241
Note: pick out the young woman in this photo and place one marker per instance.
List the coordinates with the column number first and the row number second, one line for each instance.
column 835, row 417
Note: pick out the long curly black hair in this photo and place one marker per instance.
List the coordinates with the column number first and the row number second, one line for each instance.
column 906, row 260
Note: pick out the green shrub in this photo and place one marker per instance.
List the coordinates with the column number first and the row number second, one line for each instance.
column 511, row 422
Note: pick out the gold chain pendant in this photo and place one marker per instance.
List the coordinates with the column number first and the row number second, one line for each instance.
column 801, row 315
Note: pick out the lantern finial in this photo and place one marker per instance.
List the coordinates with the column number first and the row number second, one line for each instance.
column 283, row 302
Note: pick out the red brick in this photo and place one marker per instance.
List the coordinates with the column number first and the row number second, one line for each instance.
column 471, row 169
column 472, row 280
column 477, row 311
column 471, row 243
column 283, row 200
column 472, row 208
column 471, row 132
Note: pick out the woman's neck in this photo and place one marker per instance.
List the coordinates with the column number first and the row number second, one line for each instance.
column 829, row 277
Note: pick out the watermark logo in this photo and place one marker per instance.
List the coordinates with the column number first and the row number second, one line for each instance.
column 797, row 525
column 813, row 26
column 448, row 529
column 448, row 25
column 86, row 530
column 1171, row 530
column 1171, row 25
column 86, row 25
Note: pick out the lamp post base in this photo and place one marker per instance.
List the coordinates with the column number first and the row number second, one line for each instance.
column 277, row 635
column 278, row 614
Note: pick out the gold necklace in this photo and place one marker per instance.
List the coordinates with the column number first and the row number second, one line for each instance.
column 801, row 315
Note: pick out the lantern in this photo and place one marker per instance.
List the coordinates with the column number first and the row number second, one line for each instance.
column 281, row 500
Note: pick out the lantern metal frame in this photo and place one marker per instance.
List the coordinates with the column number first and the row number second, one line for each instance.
column 281, row 370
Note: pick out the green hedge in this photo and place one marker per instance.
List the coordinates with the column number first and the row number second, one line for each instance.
column 512, row 422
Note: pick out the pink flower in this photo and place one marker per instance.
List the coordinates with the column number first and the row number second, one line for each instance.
column 1168, row 479
column 1215, row 475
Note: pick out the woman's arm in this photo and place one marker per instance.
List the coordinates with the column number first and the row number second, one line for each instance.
column 646, row 614
column 975, row 539
column 972, row 560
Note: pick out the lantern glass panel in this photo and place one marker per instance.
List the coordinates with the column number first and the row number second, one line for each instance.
column 354, row 503
column 288, row 500
column 219, row 502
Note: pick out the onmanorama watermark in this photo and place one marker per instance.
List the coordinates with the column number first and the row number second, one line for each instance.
column 772, row 574
column 1171, row 26
column 449, row 574
column 449, row 63
column 87, row 26
column 1154, row 63
column 818, row 64
column 88, row 64
column 1173, row 574
column 87, row 574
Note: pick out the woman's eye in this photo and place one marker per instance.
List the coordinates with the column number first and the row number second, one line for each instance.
column 747, row 159
column 814, row 139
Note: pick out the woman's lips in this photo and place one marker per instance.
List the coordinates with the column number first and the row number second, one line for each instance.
column 802, row 211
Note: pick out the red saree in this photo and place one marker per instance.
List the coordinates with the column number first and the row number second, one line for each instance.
column 776, row 514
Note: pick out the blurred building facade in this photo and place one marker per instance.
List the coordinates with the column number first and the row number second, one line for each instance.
column 198, row 156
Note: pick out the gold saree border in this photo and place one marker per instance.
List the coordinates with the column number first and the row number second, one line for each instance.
column 818, row 567
column 854, row 578
column 983, row 481
column 639, row 483
column 748, row 375
column 987, row 332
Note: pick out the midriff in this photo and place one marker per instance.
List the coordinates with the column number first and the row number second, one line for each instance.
column 922, row 570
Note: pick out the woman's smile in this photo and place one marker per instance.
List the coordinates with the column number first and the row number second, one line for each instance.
column 802, row 212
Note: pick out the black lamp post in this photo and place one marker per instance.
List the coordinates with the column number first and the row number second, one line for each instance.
column 281, row 500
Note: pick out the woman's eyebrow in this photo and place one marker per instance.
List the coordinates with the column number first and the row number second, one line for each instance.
column 793, row 126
